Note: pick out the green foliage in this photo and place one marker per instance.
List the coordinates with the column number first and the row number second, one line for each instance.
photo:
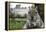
column 16, row 24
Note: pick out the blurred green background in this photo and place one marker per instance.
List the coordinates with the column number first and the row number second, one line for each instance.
column 41, row 10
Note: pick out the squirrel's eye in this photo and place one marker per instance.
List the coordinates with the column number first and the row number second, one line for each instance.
column 35, row 12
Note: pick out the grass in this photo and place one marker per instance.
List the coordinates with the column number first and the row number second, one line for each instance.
column 16, row 24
